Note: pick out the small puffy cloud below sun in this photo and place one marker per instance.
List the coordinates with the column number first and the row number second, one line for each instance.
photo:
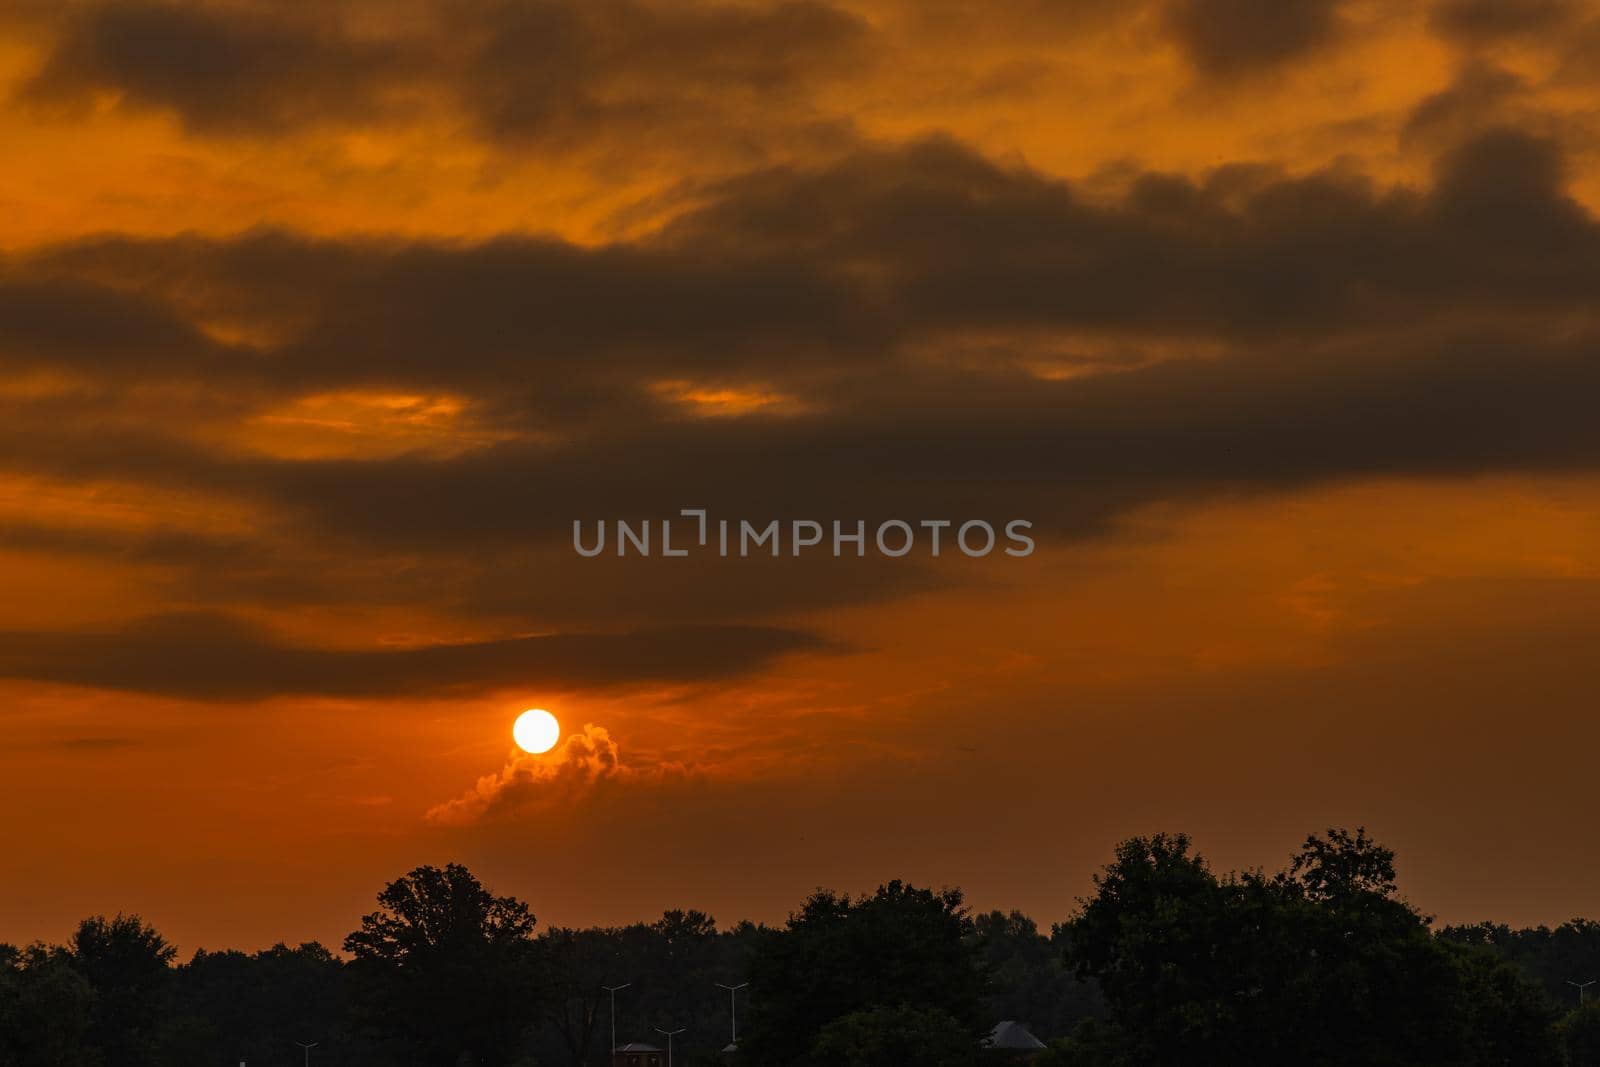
column 584, row 763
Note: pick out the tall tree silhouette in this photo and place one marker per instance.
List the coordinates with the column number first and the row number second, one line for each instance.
column 129, row 967
column 446, row 968
column 901, row 946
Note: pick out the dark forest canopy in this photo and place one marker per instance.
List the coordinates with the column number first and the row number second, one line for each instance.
column 1166, row 962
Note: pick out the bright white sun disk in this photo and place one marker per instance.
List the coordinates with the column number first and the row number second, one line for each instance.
column 536, row 730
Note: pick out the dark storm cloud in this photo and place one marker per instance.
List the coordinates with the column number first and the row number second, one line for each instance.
column 505, row 577
column 1072, row 456
column 542, row 71
column 214, row 657
column 500, row 306
column 136, row 546
column 1580, row 55
column 561, row 69
column 1481, row 21
column 524, row 582
column 68, row 324
column 1227, row 38
column 376, row 313
column 829, row 280
column 221, row 69
column 1303, row 329
column 1246, row 252
column 1567, row 30
column 824, row 280
column 1030, row 21
column 1480, row 93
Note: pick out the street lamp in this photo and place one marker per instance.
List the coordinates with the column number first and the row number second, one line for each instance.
column 307, row 1050
column 670, row 1034
column 1582, row 987
column 733, row 1007
column 612, row 989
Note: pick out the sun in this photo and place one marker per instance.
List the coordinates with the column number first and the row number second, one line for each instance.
column 536, row 730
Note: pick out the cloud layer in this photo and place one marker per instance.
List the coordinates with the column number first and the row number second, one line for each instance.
column 421, row 422
column 211, row 657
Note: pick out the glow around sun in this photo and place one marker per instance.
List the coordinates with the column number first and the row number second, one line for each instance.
column 536, row 730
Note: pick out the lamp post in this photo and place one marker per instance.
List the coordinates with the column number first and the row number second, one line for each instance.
column 1582, row 987
column 670, row 1034
column 306, row 1048
column 733, row 1006
column 612, row 989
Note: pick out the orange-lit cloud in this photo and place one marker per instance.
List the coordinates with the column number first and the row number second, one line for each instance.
column 584, row 762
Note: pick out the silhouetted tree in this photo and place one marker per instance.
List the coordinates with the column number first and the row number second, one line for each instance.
column 574, row 966
column 446, row 968
column 1579, row 1033
column 1318, row 965
column 1028, row 979
column 1166, row 963
column 46, row 1009
column 231, row 1007
column 902, row 946
column 129, row 966
column 1506, row 1018
column 1552, row 957
column 895, row 1037
column 1341, row 867
column 672, row 965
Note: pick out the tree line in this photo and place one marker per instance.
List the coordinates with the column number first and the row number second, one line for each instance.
column 1166, row 962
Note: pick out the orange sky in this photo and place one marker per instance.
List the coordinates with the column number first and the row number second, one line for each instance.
column 319, row 329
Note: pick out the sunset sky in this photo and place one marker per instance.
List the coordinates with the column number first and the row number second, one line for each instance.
column 320, row 324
